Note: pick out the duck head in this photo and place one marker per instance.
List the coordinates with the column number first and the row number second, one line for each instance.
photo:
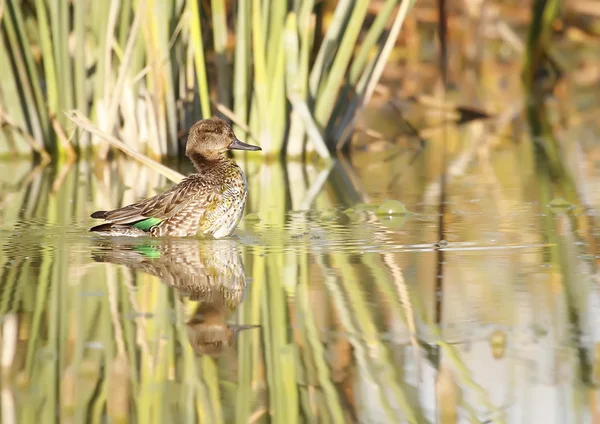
column 211, row 335
column 209, row 139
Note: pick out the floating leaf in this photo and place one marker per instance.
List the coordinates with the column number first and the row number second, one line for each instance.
column 391, row 207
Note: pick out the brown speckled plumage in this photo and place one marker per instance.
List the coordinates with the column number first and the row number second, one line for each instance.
column 208, row 203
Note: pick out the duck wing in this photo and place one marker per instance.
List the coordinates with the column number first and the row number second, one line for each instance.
column 161, row 207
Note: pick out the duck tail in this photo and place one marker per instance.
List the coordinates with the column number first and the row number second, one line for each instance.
column 99, row 214
column 112, row 229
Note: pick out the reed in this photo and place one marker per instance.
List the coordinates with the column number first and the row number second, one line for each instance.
column 145, row 70
column 538, row 47
column 347, row 311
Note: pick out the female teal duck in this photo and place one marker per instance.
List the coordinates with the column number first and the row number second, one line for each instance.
column 209, row 203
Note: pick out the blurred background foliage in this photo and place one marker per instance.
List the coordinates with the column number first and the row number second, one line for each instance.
column 288, row 73
column 293, row 76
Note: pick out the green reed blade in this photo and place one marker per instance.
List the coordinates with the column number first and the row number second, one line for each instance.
column 129, row 330
column 54, row 318
column 124, row 22
column 270, row 359
column 102, row 12
column 294, row 90
column 373, row 35
column 241, row 70
column 198, row 45
column 310, row 126
column 10, row 285
column 265, row 11
column 295, row 140
column 243, row 396
column 356, row 332
column 79, row 63
column 117, row 90
column 329, row 45
column 279, row 365
column 253, row 309
column 306, row 28
column 40, row 306
column 98, row 404
column 105, row 29
column 275, row 61
column 327, row 98
column 390, row 42
column 191, row 376
column 305, row 367
column 219, row 26
column 543, row 14
column 48, row 55
column 332, row 400
column 370, row 76
column 210, row 376
column 14, row 136
column 161, row 76
column 248, row 342
column 59, row 24
column 154, row 87
column 350, row 110
column 170, row 93
column 28, row 79
column 260, row 79
column 274, row 39
column 277, row 101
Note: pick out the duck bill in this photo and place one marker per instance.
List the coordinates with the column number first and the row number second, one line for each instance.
column 237, row 327
column 240, row 145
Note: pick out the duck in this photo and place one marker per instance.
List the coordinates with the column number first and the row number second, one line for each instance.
column 208, row 203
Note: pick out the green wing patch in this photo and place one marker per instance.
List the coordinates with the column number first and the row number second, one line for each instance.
column 146, row 224
column 148, row 251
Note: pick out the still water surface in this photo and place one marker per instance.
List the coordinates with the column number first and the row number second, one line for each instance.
column 478, row 305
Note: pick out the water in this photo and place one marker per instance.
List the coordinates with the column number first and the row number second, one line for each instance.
column 479, row 304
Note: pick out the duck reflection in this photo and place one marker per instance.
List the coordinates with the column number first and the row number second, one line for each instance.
column 208, row 272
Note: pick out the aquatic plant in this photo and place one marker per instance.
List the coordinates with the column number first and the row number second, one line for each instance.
column 145, row 70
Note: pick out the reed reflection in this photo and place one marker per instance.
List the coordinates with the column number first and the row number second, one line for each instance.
column 208, row 275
